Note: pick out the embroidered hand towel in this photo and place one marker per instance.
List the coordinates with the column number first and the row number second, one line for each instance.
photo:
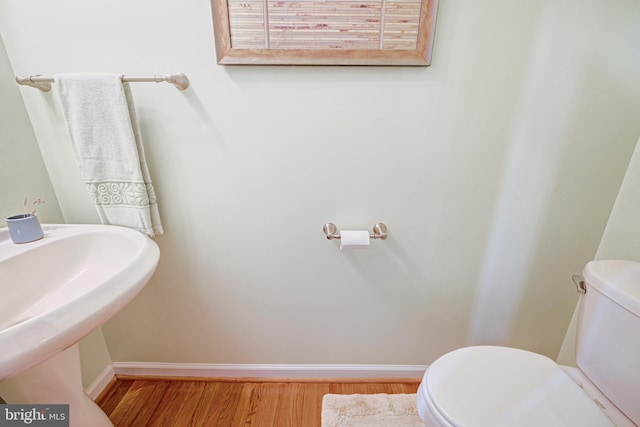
column 101, row 119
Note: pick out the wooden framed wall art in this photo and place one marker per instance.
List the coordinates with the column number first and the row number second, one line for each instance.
column 324, row 32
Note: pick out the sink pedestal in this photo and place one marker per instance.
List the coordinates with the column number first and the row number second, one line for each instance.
column 56, row 380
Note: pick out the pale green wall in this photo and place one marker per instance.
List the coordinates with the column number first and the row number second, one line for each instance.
column 94, row 357
column 22, row 171
column 621, row 239
column 495, row 170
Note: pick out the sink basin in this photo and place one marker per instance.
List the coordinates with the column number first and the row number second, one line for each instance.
column 55, row 291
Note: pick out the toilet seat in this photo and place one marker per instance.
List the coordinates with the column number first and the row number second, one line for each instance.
column 503, row 387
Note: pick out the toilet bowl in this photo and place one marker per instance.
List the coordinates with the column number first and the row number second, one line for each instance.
column 492, row 386
column 500, row 386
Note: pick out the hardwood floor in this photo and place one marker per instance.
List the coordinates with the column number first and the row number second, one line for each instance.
column 131, row 402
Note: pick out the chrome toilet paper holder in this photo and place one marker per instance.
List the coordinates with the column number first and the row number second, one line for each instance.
column 379, row 231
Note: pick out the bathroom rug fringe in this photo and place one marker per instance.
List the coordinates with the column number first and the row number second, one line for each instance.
column 370, row 410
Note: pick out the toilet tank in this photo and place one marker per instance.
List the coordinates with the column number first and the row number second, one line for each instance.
column 608, row 335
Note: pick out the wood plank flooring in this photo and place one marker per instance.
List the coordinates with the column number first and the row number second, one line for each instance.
column 135, row 402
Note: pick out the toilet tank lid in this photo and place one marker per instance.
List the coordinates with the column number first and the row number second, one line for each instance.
column 618, row 279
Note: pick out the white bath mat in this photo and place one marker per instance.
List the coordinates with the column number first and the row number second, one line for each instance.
column 370, row 410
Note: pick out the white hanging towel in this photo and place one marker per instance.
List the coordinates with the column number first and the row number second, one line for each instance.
column 101, row 119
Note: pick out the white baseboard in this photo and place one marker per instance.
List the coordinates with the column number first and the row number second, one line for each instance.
column 207, row 370
column 267, row 371
column 101, row 382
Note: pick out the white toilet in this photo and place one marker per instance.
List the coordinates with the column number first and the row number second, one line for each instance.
column 504, row 387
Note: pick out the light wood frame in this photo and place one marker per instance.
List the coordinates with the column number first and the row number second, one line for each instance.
column 228, row 55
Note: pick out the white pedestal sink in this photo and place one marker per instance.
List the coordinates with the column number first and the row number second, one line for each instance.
column 54, row 292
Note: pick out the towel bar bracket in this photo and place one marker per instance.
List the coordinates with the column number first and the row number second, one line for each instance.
column 179, row 80
column 32, row 81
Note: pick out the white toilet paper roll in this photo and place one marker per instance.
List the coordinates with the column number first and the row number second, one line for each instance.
column 354, row 239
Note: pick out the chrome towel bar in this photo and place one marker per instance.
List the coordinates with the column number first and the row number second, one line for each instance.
column 179, row 80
